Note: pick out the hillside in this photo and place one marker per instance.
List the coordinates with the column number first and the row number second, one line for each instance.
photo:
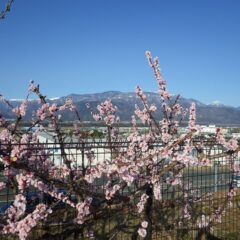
column 125, row 102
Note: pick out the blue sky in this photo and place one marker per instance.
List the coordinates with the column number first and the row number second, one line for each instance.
column 86, row 46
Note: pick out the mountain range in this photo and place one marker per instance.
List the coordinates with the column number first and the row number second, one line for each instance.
column 125, row 102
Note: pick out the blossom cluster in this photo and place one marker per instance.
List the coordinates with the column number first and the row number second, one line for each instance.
column 24, row 226
column 192, row 116
column 17, row 209
column 154, row 63
column 231, row 145
column 83, row 209
column 142, row 202
column 106, row 112
column 20, row 111
column 26, row 180
column 111, row 190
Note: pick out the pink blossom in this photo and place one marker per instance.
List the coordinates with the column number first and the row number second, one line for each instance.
column 16, row 151
column 53, row 108
column 232, row 144
column 83, row 209
column 142, row 115
column 205, row 162
column 42, row 112
column 153, row 108
column 2, row 185
column 21, row 110
column 142, row 232
column 166, row 137
column 110, row 191
column 177, row 108
column 93, row 173
column 25, row 139
column 140, row 94
column 192, row 116
column 138, row 91
column 60, row 172
column 128, row 177
column 157, row 191
column 24, row 226
column 154, row 64
column 5, row 135
column 109, row 120
column 17, row 209
column 144, row 224
column 23, row 181
column 28, row 179
column 142, row 202
column 97, row 117
column 219, row 137
column 106, row 112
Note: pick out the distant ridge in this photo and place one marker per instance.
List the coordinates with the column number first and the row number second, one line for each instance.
column 125, row 102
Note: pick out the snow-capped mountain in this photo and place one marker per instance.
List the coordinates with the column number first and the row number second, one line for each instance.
column 215, row 113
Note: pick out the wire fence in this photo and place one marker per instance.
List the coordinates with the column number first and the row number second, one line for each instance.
column 205, row 188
